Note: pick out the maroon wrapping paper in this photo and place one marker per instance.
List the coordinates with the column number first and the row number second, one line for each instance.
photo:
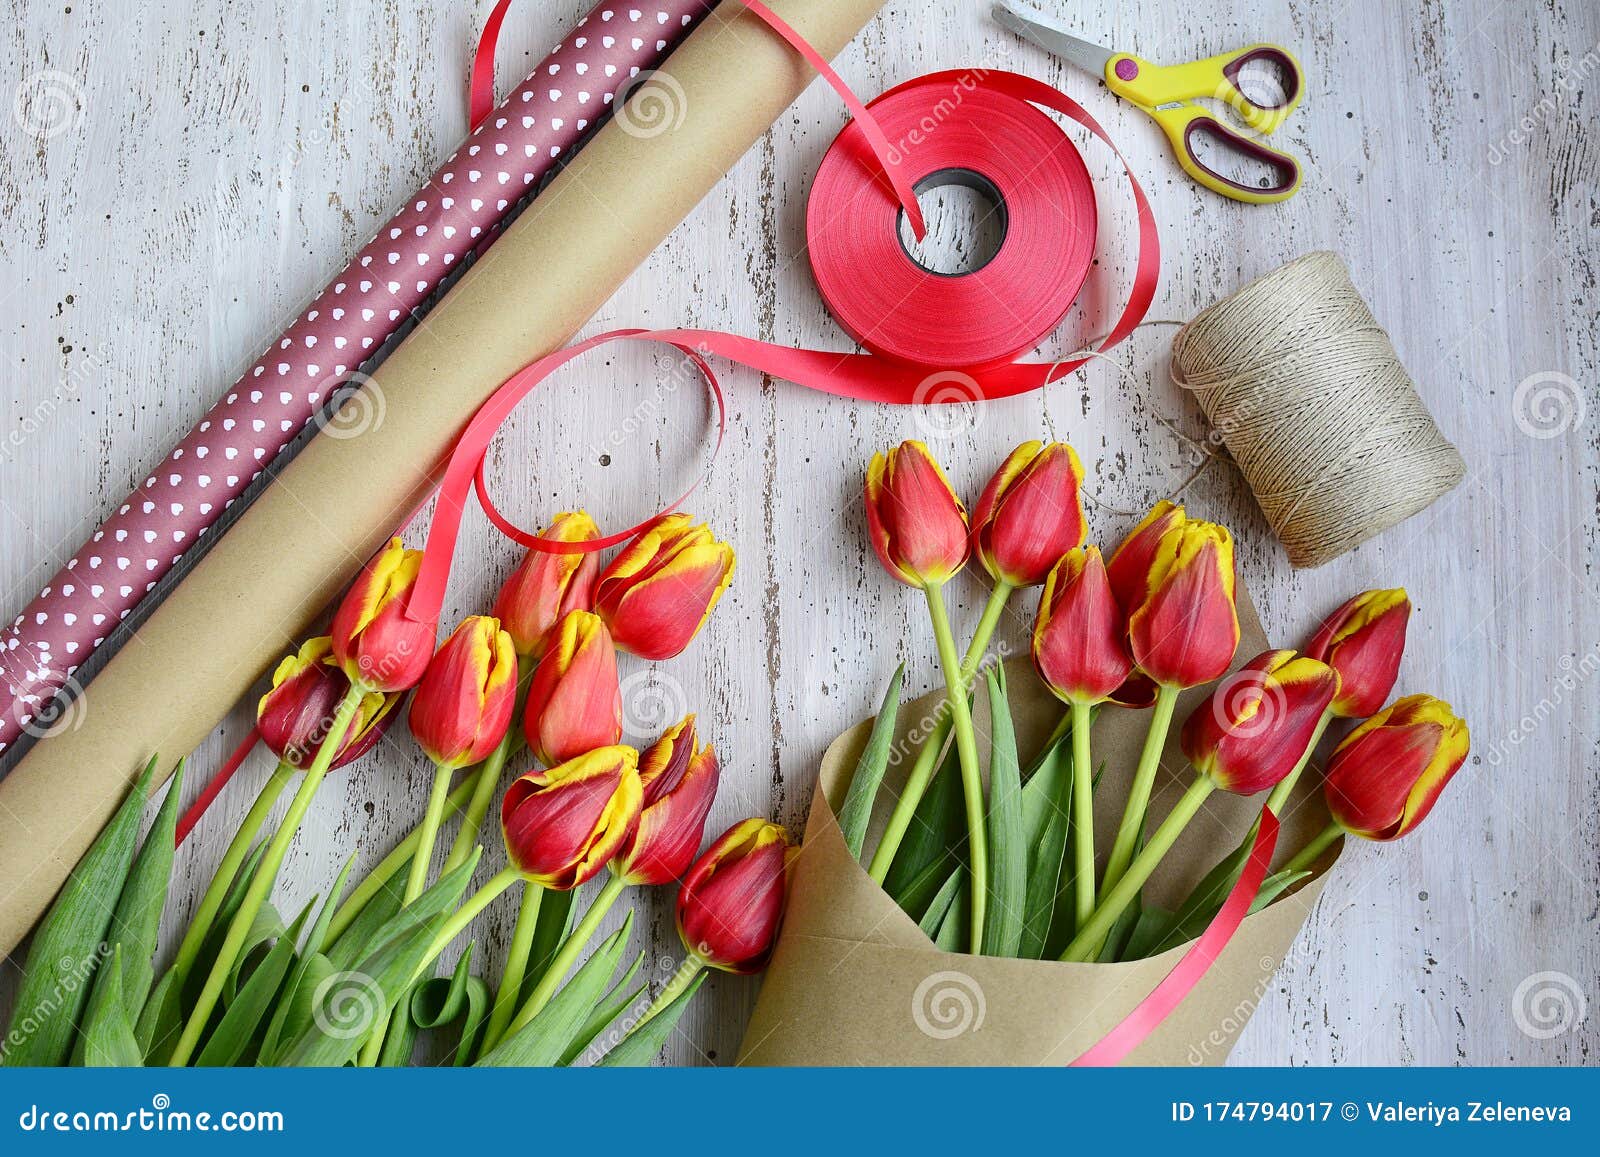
column 474, row 191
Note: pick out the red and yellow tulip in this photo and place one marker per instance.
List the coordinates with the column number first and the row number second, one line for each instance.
column 679, row 781
column 1184, row 629
column 731, row 902
column 917, row 525
column 463, row 706
column 307, row 687
column 1078, row 638
column 574, row 700
column 1387, row 774
column 564, row 824
column 1363, row 641
column 1129, row 567
column 378, row 647
column 658, row 592
column 1256, row 726
column 545, row 586
column 1030, row 513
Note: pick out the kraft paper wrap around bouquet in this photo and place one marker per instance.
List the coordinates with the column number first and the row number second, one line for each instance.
column 264, row 582
column 854, row 981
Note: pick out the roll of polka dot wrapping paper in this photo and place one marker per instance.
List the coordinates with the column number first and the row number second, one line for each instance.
column 455, row 214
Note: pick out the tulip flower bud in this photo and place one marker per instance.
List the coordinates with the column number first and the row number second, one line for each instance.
column 293, row 718
column 564, row 824
column 1255, row 726
column 546, row 586
column 1386, row 775
column 917, row 525
column 658, row 592
column 1363, row 641
column 373, row 640
column 1078, row 645
column 1129, row 567
column 679, row 784
column 731, row 903
column 1030, row 513
column 574, row 699
column 1183, row 630
column 464, row 704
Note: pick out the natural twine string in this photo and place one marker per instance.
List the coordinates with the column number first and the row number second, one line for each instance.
column 1304, row 389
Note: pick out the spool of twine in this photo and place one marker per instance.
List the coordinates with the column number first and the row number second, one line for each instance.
column 1303, row 387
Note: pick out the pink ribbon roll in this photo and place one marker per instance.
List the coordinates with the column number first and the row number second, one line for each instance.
column 452, row 216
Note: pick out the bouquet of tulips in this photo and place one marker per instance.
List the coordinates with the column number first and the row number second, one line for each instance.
column 1009, row 863
column 352, row 980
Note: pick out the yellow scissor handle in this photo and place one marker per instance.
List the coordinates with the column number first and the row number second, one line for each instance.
column 1215, row 78
column 1187, row 124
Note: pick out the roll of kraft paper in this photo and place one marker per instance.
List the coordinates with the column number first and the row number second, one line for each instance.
column 261, row 584
column 510, row 150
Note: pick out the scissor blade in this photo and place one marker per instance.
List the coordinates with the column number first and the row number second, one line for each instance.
column 1050, row 36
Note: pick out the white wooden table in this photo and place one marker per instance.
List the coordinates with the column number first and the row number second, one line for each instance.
column 223, row 158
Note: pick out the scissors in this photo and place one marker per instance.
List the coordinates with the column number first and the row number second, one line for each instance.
column 1167, row 95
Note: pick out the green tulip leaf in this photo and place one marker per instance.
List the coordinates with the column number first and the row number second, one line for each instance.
column 380, row 980
column 70, row 943
column 642, row 1046
column 544, row 1040
column 108, row 1036
column 161, row 1020
column 293, row 1008
column 1008, row 853
column 935, row 842
column 616, row 1002
column 856, row 813
column 236, row 1030
column 137, row 921
column 462, row 998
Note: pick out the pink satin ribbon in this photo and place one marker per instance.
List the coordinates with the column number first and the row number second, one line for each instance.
column 1132, row 1029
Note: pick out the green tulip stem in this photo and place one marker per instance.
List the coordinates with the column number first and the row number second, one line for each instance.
column 682, row 977
column 238, row 849
column 905, row 808
column 416, row 884
column 1306, row 856
column 1091, row 935
column 488, row 776
column 1144, row 781
column 1280, row 793
column 389, row 867
column 505, row 1001
column 568, row 954
column 428, row 832
column 967, row 753
column 261, row 883
column 1082, row 812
